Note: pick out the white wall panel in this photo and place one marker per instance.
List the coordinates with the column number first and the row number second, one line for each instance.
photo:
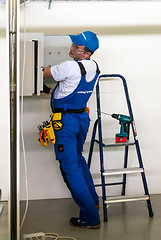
column 4, row 120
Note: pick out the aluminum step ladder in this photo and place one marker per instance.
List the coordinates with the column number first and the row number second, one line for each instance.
column 126, row 145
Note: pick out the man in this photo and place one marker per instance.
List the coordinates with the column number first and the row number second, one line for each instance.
column 76, row 80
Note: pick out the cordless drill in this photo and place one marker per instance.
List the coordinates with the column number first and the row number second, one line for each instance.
column 124, row 121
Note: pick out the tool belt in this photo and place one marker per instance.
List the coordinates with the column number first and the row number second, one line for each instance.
column 61, row 110
column 46, row 131
column 56, row 116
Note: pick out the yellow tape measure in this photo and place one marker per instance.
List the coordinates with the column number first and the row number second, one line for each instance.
column 57, row 120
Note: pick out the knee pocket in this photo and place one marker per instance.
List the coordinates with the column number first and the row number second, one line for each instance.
column 59, row 150
column 66, row 150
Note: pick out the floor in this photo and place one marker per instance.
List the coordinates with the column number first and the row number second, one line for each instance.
column 4, row 221
column 127, row 221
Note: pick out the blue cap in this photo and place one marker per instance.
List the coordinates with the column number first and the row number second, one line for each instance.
column 87, row 39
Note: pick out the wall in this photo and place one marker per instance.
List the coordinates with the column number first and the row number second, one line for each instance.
column 129, row 34
column 4, row 106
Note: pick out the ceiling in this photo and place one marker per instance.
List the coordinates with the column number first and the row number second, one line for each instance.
column 22, row 1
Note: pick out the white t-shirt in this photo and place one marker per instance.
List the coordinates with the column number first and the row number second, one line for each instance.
column 68, row 75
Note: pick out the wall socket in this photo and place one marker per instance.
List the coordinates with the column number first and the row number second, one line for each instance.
column 34, row 236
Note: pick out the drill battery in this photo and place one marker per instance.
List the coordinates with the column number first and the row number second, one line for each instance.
column 120, row 139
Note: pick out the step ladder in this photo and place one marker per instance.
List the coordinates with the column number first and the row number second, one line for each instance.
column 126, row 145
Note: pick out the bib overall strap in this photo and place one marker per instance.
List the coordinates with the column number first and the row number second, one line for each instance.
column 97, row 71
column 83, row 71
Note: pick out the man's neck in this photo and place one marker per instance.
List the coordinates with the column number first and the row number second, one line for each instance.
column 79, row 59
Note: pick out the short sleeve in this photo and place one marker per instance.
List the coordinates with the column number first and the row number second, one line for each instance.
column 60, row 72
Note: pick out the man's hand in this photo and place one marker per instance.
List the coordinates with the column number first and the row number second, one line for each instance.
column 46, row 89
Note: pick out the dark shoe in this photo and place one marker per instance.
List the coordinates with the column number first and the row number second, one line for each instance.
column 78, row 223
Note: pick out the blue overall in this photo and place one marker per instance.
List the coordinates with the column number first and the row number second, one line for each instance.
column 69, row 147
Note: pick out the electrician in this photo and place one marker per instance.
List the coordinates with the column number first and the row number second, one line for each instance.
column 75, row 82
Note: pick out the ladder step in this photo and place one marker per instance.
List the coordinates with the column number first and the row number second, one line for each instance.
column 113, row 144
column 122, row 171
column 119, row 199
column 119, row 144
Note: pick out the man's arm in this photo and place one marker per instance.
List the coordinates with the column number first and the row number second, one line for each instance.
column 47, row 73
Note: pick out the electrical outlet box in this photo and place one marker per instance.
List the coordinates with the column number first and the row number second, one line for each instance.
column 34, row 236
column 32, row 74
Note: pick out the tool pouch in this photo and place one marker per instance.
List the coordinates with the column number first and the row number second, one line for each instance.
column 46, row 133
column 57, row 121
column 50, row 133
